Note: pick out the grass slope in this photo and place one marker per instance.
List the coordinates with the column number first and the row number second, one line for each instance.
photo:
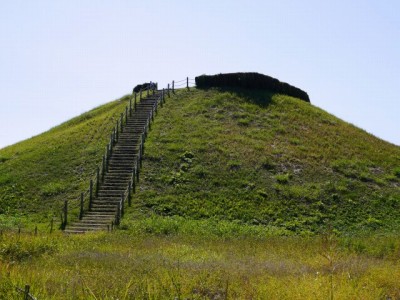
column 242, row 157
column 133, row 266
column 36, row 175
column 256, row 158
column 218, row 164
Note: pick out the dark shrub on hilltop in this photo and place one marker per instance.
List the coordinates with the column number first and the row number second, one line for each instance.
column 251, row 81
column 143, row 86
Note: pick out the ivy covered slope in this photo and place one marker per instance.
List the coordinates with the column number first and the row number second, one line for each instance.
column 260, row 158
column 36, row 175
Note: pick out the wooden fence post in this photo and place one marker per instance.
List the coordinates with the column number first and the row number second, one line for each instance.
column 65, row 211
column 116, row 130
column 81, row 207
column 130, row 193
column 137, row 167
column 107, row 155
column 133, row 179
column 187, row 82
column 26, row 292
column 173, row 86
column 147, row 92
column 51, row 225
column 97, row 181
column 122, row 121
column 122, row 204
column 168, row 91
column 130, row 107
column 118, row 216
column 126, row 115
column 140, row 157
column 140, row 95
column 103, row 171
column 134, row 104
column 90, row 193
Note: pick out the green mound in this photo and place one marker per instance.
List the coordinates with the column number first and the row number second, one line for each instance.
column 239, row 156
column 258, row 158
column 38, row 174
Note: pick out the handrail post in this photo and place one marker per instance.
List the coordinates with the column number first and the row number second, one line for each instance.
column 140, row 95
column 65, row 211
column 109, row 149
column 139, row 163
column 97, row 181
column 141, row 151
column 126, row 115
column 187, row 82
column 138, row 170
column 103, row 171
column 173, row 86
column 116, row 131
column 134, row 103
column 147, row 91
column 168, row 91
column 90, row 193
column 121, row 121
column 162, row 97
column 82, row 207
column 129, row 193
column 133, row 178
column 27, row 296
column 118, row 216
column 107, row 156
column 130, row 107
column 122, row 204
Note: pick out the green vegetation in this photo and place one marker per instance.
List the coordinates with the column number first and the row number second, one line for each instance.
column 243, row 195
column 131, row 265
column 38, row 174
column 243, row 156
column 271, row 160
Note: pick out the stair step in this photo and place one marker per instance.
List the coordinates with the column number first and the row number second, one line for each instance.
column 121, row 165
column 100, row 214
column 84, row 228
column 96, row 220
column 88, row 224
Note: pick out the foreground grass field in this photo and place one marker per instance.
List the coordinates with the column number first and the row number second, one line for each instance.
column 127, row 265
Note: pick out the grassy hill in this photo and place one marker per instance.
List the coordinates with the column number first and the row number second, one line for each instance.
column 247, row 157
column 38, row 174
column 258, row 158
column 225, row 172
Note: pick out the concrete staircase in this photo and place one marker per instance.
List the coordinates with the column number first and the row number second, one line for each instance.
column 121, row 165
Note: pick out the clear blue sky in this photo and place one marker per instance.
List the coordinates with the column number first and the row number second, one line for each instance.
column 59, row 59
